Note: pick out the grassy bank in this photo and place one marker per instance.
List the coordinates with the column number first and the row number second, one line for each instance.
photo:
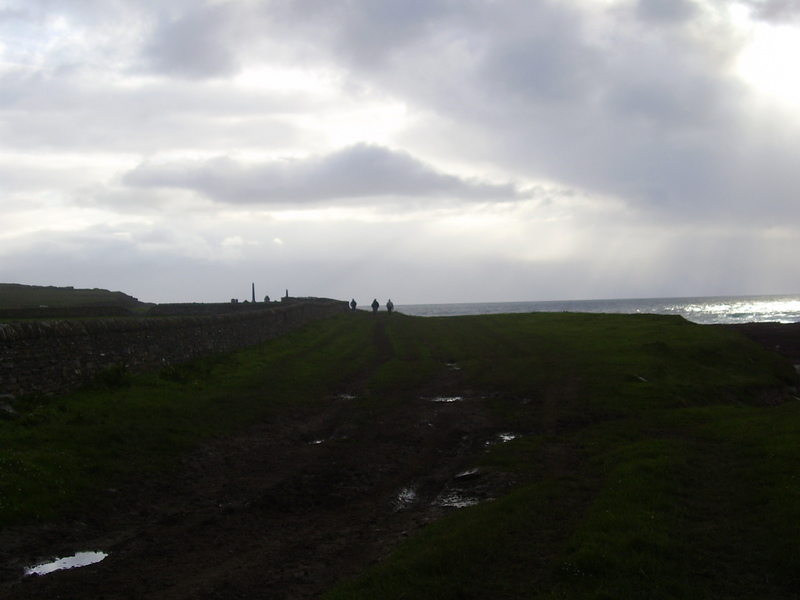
column 653, row 458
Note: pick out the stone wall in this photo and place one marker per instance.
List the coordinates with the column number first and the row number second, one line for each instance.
column 65, row 312
column 50, row 357
column 171, row 310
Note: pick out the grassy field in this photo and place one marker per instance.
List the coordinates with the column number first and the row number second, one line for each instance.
column 661, row 460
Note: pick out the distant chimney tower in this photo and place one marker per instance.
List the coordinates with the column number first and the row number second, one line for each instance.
column 254, row 293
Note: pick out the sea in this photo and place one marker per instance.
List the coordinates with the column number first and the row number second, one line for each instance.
column 713, row 310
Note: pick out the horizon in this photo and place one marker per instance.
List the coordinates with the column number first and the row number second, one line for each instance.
column 609, row 299
column 362, row 304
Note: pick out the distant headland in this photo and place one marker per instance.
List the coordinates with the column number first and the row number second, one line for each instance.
column 19, row 301
column 18, row 297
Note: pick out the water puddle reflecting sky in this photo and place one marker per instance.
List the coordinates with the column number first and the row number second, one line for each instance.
column 80, row 559
column 405, row 499
column 453, row 499
column 502, row 438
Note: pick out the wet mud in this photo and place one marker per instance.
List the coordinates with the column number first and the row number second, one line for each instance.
column 285, row 510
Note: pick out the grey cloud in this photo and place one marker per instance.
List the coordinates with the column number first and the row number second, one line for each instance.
column 358, row 171
column 666, row 11
column 370, row 34
column 195, row 45
column 776, row 11
column 13, row 14
column 649, row 115
column 61, row 258
column 532, row 86
column 548, row 63
column 61, row 113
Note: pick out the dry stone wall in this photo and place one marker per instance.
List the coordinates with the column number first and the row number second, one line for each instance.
column 51, row 357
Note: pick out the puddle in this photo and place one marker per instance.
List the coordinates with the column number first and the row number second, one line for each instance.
column 502, row 438
column 453, row 367
column 405, row 499
column 447, row 399
column 80, row 559
column 326, row 440
column 469, row 474
column 453, row 499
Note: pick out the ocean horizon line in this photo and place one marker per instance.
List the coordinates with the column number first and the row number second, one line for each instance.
column 609, row 299
column 781, row 308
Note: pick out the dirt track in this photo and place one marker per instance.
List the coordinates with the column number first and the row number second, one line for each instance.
column 284, row 510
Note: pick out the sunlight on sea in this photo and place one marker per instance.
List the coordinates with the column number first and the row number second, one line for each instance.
column 703, row 310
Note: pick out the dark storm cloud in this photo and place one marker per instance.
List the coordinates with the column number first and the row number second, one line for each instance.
column 355, row 172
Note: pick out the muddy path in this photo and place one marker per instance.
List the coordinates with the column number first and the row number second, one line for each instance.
column 284, row 510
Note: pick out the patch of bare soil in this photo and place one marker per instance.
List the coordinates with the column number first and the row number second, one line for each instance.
column 285, row 510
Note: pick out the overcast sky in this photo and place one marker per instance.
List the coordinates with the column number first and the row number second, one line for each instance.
column 420, row 150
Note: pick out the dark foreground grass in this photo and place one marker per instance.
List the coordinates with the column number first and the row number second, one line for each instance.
column 678, row 475
column 55, row 450
column 656, row 458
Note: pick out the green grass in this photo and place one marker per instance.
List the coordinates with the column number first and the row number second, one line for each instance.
column 681, row 482
column 652, row 459
column 52, row 451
